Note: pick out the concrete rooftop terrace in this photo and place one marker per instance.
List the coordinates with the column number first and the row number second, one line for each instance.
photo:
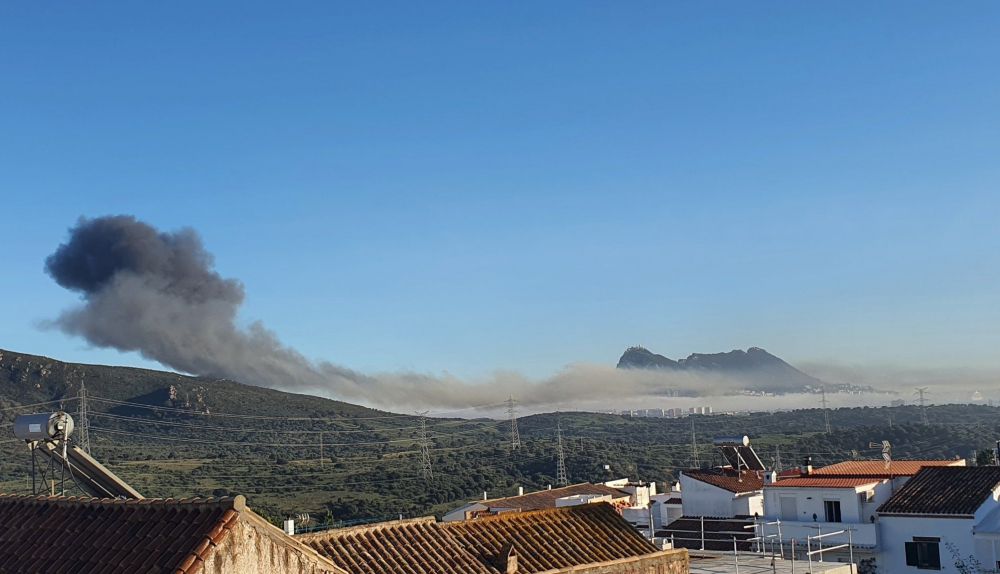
column 707, row 562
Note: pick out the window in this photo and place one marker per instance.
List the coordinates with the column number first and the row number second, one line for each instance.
column 924, row 553
column 832, row 508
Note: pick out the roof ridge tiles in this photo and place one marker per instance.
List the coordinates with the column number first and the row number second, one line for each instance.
column 364, row 528
column 237, row 503
column 526, row 514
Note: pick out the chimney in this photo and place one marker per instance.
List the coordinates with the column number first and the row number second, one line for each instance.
column 548, row 487
column 807, row 466
column 770, row 477
column 484, row 496
column 520, row 491
column 507, row 561
column 290, row 527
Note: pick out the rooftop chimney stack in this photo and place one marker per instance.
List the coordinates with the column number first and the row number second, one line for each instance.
column 520, row 491
column 807, row 466
column 507, row 562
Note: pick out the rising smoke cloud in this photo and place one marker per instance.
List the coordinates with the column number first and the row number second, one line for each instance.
column 157, row 293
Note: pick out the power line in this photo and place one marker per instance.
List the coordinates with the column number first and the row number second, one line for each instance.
column 339, row 419
column 151, row 421
column 28, row 406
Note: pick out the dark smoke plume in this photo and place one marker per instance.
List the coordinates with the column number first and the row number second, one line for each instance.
column 157, row 293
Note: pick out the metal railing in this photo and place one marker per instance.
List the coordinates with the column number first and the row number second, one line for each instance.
column 820, row 550
column 766, row 540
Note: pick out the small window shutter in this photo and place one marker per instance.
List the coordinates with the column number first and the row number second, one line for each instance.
column 934, row 555
column 911, row 553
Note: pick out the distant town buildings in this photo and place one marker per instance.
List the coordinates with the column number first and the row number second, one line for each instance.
column 671, row 413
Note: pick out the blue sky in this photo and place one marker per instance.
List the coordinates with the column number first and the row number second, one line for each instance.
column 468, row 187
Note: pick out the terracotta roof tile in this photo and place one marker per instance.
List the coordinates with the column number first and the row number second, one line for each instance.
column 957, row 491
column 547, row 498
column 823, row 482
column 554, row 538
column 542, row 540
column 68, row 534
column 877, row 469
column 728, row 479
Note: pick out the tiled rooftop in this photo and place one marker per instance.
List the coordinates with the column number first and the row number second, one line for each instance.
column 57, row 534
column 542, row 540
column 877, row 468
column 728, row 479
column 553, row 538
column 405, row 547
column 822, row 482
column 547, row 498
column 957, row 491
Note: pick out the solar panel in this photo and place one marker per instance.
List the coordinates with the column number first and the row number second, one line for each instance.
column 739, row 454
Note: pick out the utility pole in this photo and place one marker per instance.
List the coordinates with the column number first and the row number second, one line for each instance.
column 561, row 478
column 83, row 435
column 515, row 438
column 694, row 447
column 921, row 391
column 425, row 453
column 826, row 413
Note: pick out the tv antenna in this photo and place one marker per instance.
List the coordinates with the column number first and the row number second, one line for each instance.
column 886, row 451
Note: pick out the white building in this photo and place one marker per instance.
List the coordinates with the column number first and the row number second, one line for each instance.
column 722, row 492
column 837, row 497
column 940, row 518
column 667, row 506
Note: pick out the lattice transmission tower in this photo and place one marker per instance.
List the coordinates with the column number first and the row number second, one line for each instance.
column 425, row 450
column 515, row 437
column 83, row 433
column 826, row 413
column 921, row 391
column 561, row 478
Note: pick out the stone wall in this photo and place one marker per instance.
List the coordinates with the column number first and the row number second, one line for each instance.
column 257, row 547
column 664, row 562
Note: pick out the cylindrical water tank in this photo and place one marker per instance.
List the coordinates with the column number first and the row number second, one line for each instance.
column 43, row 426
column 732, row 441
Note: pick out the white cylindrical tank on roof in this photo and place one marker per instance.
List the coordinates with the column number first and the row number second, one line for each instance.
column 43, row 426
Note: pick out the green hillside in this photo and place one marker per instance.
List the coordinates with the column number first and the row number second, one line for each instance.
column 291, row 453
